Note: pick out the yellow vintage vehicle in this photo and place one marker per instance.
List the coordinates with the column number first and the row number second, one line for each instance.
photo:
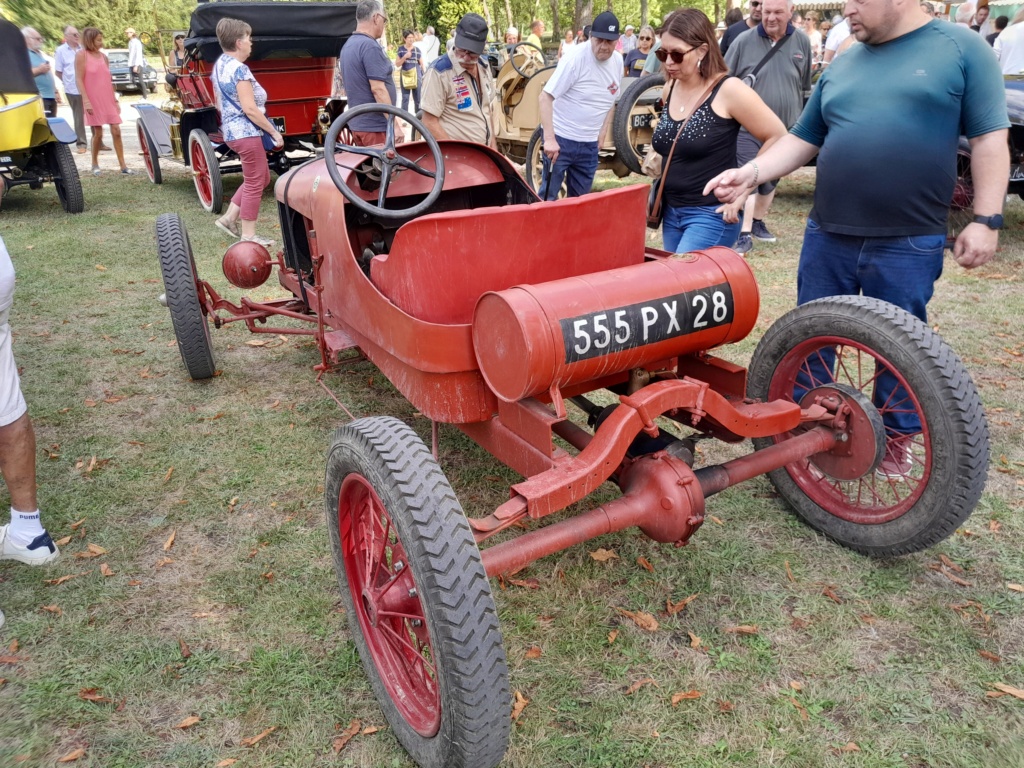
column 520, row 79
column 33, row 148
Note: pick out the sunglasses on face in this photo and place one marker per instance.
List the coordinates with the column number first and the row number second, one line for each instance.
column 755, row 5
column 642, row 37
column 676, row 56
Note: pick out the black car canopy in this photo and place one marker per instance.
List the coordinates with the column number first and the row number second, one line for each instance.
column 15, row 69
column 279, row 29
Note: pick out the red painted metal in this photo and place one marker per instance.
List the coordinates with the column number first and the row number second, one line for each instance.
column 872, row 498
column 660, row 496
column 246, row 264
column 389, row 612
column 531, row 337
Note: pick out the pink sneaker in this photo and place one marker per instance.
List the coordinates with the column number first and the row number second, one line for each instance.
column 898, row 461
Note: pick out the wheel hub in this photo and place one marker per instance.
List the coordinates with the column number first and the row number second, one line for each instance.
column 861, row 443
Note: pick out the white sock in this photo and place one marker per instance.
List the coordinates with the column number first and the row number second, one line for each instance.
column 24, row 527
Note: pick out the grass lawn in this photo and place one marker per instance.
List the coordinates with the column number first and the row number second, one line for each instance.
column 196, row 581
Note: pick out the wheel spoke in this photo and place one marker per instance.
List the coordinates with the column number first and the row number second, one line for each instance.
column 405, row 649
column 413, row 166
column 385, row 182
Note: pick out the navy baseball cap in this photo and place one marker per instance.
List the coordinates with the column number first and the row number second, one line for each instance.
column 471, row 33
column 605, row 26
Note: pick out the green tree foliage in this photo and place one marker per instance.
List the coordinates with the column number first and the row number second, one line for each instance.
column 110, row 16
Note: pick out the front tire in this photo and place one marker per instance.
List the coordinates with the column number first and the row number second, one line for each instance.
column 66, row 179
column 205, row 171
column 181, row 286
column 417, row 596
column 947, row 457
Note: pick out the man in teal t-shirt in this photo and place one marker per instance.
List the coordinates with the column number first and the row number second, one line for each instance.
column 41, row 70
column 885, row 120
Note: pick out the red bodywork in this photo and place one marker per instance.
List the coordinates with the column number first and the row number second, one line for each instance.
column 488, row 316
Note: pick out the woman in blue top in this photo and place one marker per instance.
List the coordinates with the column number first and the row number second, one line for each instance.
column 697, row 86
column 636, row 58
column 242, row 122
column 409, row 60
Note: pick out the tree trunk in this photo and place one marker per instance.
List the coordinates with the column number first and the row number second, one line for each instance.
column 643, row 12
column 487, row 15
column 556, row 28
column 508, row 15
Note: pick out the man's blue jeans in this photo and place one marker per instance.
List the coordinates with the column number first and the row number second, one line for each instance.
column 576, row 165
column 694, row 228
column 899, row 270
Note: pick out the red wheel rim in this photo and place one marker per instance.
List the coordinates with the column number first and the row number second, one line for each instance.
column 874, row 498
column 201, row 174
column 145, row 149
column 389, row 610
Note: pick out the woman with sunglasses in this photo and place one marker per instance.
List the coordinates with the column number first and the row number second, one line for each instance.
column 636, row 58
column 697, row 87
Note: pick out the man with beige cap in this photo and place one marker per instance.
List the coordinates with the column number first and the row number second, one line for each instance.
column 136, row 61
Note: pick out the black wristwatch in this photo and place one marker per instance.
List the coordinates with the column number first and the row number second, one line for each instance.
column 992, row 222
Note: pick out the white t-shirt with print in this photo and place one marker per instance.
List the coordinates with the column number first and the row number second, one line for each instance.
column 584, row 90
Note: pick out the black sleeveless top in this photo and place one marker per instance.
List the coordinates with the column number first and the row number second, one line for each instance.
column 706, row 148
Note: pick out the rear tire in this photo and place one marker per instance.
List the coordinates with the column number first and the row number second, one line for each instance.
column 188, row 316
column 66, row 179
column 877, row 514
column 149, row 153
column 417, row 596
column 205, row 171
column 632, row 143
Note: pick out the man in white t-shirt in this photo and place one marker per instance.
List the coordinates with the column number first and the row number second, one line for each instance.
column 574, row 108
column 429, row 46
column 836, row 36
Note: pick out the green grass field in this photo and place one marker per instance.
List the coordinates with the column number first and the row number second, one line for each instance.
column 212, row 595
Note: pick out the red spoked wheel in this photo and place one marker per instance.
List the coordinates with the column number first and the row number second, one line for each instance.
column 931, row 471
column 417, row 596
column 149, row 153
column 205, row 171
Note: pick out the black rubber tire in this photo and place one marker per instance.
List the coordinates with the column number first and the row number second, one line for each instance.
column 199, row 140
column 957, row 448
column 69, row 184
column 149, row 147
column 631, row 155
column 188, row 317
column 452, row 586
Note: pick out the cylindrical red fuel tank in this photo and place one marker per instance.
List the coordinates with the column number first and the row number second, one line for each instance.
column 573, row 330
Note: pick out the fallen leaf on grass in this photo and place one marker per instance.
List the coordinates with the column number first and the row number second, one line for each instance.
column 642, row 619
column 640, row 684
column 93, row 695
column 644, row 563
column 685, row 696
column 519, row 706
column 369, row 729
column 253, row 740
column 185, row 650
column 674, row 608
column 76, row 526
column 830, row 593
column 726, row 706
column 169, row 473
column 994, row 526
column 52, row 609
column 1015, row 587
column 9, row 660
column 695, row 640
column 63, row 542
column 525, row 583
column 715, row 520
column 170, row 539
column 743, row 629
column 950, row 564
column 73, row 755
column 105, row 570
column 101, row 268
column 990, row 657
column 340, row 741
column 1017, row 693
column 96, row 549
column 800, row 708
column 163, row 561
column 850, row 747
column 612, row 635
column 789, row 573
column 951, row 576
column 604, row 555
column 69, row 577
column 534, row 652
column 188, row 722
column 795, row 686
column 134, row 583
column 3, row 682
column 13, row 647
column 227, row 761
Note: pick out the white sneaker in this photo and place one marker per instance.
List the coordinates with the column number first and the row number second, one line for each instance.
column 41, row 551
column 2, row 619
column 265, row 242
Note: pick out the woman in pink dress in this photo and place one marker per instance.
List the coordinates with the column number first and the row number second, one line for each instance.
column 92, row 72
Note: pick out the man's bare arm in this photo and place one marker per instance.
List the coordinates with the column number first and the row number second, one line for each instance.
column 990, row 170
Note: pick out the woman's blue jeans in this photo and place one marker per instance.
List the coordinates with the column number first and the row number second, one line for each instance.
column 695, row 228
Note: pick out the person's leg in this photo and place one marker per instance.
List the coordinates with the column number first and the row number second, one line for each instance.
column 405, row 98
column 97, row 141
column 50, row 107
column 416, row 96
column 672, row 228
column 582, row 166
column 255, row 176
column 762, row 203
column 747, row 148
column 901, row 271
column 140, row 81
column 229, row 221
column 75, row 100
column 115, row 134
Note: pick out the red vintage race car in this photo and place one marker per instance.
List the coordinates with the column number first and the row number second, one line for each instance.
column 865, row 421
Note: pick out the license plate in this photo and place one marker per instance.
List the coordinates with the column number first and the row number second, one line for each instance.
column 640, row 121
column 636, row 325
column 278, row 124
column 1017, row 173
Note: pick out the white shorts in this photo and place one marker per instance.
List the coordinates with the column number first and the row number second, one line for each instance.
column 12, row 402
